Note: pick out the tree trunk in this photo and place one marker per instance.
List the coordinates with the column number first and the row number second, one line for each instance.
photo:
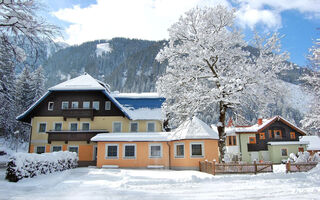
column 221, row 130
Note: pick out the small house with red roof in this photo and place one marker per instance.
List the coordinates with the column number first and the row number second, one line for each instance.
column 268, row 140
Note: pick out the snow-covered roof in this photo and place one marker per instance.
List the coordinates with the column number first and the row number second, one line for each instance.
column 287, row 143
column 194, row 129
column 143, row 106
column 314, row 142
column 146, row 114
column 144, row 95
column 83, row 82
column 132, row 137
column 256, row 127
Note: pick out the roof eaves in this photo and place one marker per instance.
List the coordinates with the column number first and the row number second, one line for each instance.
column 19, row 117
column 113, row 100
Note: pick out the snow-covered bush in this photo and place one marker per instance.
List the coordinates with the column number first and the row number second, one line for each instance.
column 25, row 165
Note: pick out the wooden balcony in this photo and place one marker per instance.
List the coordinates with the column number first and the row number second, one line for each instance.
column 257, row 147
column 78, row 113
column 73, row 135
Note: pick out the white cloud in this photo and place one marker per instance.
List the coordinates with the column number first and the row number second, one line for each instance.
column 150, row 19
column 143, row 19
column 268, row 12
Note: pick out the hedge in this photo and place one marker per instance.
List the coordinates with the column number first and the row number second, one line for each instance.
column 28, row 165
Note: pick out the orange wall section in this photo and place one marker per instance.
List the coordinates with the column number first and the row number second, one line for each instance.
column 142, row 159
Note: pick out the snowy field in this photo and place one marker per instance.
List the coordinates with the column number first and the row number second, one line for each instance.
column 92, row 183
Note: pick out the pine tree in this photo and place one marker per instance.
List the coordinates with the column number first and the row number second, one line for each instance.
column 7, row 100
column 38, row 82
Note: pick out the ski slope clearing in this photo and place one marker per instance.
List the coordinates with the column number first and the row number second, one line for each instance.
column 96, row 184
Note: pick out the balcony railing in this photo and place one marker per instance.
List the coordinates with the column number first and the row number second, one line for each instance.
column 73, row 135
column 78, row 113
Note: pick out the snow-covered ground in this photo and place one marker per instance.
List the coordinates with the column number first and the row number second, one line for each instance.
column 92, row 183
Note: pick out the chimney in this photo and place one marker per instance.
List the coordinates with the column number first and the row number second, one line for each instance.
column 259, row 121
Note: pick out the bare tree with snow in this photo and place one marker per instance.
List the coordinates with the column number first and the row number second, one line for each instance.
column 208, row 66
column 311, row 121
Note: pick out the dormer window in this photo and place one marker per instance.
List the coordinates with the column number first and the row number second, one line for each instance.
column 50, row 105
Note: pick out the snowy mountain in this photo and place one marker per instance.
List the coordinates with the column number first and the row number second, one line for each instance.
column 128, row 65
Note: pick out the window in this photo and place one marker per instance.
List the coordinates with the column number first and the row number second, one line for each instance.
column 277, row 134
column 252, row 140
column 270, row 134
column 262, row 136
column 151, row 127
column 40, row 149
column 74, row 104
column 292, row 135
column 155, row 150
column 56, row 148
column 116, row 127
column 284, row 152
column 300, row 149
column 231, row 140
column 86, row 104
column 85, row 126
column 96, row 105
column 112, row 151
column 197, row 149
column 50, row 105
column 73, row 126
column 133, row 126
column 73, row 149
column 179, row 150
column 65, row 105
column 129, row 151
column 58, row 126
column 42, row 127
column 107, row 105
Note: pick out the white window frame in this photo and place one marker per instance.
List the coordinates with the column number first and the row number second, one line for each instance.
column 98, row 105
column 202, row 150
column 39, row 127
column 54, row 125
column 73, row 123
column 84, row 103
column 50, row 103
column 124, row 151
column 51, row 150
column 137, row 126
column 107, row 107
column 64, row 102
column 161, row 149
column 85, row 123
column 113, row 127
column 175, row 149
column 36, row 147
column 151, row 122
column 95, row 149
column 106, row 151
column 75, row 102
column 71, row 146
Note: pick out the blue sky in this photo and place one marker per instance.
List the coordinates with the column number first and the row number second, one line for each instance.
column 86, row 20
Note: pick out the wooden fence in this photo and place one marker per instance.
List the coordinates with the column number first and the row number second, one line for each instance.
column 300, row 167
column 212, row 167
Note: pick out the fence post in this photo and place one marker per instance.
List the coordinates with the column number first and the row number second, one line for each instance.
column 255, row 167
column 288, row 167
column 214, row 167
column 200, row 166
column 271, row 167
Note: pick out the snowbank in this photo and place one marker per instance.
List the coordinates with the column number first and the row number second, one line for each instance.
column 25, row 165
